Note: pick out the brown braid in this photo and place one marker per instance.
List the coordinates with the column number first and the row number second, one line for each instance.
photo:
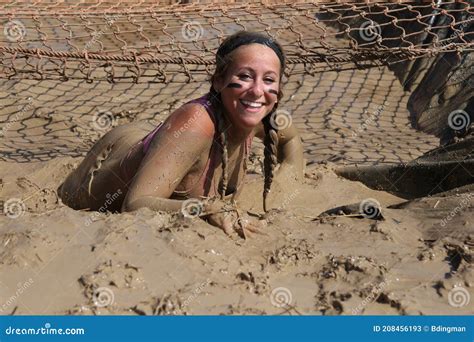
column 270, row 152
column 225, row 158
column 216, row 104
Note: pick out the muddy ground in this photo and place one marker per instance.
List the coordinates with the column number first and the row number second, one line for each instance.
column 55, row 260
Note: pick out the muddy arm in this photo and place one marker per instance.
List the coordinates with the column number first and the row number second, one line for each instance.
column 290, row 152
column 215, row 212
column 176, row 148
column 154, row 203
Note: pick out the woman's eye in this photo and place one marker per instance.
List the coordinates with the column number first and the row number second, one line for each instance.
column 244, row 76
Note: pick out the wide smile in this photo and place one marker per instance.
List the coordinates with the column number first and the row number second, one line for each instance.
column 250, row 106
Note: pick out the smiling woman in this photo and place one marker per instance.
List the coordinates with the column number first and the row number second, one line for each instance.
column 200, row 150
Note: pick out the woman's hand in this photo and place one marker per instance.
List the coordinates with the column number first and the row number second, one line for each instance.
column 231, row 219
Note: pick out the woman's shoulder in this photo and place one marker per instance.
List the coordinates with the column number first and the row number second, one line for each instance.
column 193, row 117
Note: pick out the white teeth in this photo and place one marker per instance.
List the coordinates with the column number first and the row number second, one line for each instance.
column 252, row 104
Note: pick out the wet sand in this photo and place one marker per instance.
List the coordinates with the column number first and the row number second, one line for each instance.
column 55, row 260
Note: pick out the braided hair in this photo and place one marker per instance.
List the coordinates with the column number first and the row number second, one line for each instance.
column 271, row 135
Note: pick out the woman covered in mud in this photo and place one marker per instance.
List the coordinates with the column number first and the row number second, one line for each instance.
column 200, row 150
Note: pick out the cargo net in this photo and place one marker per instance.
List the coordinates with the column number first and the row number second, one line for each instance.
column 139, row 61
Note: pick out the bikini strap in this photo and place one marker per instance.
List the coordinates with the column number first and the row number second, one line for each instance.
column 204, row 100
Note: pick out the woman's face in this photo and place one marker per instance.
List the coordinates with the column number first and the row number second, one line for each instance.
column 251, row 85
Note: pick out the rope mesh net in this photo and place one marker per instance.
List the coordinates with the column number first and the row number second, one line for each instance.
column 149, row 41
column 70, row 71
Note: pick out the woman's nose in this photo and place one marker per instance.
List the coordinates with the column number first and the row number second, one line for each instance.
column 257, row 89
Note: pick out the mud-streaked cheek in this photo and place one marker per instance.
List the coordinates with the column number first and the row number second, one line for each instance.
column 235, row 85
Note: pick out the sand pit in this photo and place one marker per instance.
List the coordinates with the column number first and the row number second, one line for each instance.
column 413, row 257
column 56, row 260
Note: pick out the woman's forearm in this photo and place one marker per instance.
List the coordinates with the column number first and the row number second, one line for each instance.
column 193, row 208
column 153, row 203
column 216, row 210
column 291, row 157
